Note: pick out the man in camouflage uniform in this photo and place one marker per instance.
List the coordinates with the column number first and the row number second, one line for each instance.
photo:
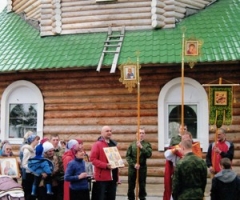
column 58, row 178
column 190, row 175
column 133, row 166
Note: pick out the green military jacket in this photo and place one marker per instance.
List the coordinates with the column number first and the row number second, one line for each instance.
column 190, row 178
column 145, row 152
column 59, row 176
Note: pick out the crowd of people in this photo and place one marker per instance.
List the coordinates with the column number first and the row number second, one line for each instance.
column 56, row 170
column 51, row 169
column 41, row 166
column 186, row 172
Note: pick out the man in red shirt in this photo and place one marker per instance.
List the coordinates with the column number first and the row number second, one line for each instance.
column 216, row 151
column 105, row 177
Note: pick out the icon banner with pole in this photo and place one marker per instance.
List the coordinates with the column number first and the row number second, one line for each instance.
column 129, row 74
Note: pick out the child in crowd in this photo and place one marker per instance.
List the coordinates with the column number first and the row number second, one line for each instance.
column 41, row 168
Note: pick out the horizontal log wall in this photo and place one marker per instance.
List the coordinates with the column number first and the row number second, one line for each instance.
column 73, row 16
column 78, row 104
column 89, row 16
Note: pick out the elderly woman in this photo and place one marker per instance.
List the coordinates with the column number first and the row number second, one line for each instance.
column 2, row 145
column 7, row 150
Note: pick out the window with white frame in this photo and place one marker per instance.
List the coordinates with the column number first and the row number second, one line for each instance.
column 174, row 119
column 195, row 112
column 21, row 111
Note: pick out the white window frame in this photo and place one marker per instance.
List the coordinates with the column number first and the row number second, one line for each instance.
column 194, row 93
column 20, row 92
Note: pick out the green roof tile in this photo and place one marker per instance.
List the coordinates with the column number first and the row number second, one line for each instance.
column 22, row 48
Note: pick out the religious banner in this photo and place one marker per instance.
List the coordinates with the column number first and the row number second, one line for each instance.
column 130, row 74
column 220, row 110
column 192, row 50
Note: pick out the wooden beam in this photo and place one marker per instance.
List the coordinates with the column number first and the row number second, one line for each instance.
column 34, row 5
column 23, row 6
column 106, row 6
column 105, row 18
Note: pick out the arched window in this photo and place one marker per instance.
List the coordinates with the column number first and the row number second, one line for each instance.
column 195, row 112
column 21, row 111
column 174, row 118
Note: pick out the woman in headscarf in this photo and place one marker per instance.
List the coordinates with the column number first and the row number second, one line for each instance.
column 28, row 152
column 76, row 174
column 67, row 157
column 7, row 150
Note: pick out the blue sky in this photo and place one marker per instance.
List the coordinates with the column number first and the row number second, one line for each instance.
column 3, row 4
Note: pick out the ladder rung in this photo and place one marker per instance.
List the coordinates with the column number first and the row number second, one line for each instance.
column 112, row 36
column 107, row 41
column 112, row 45
column 110, row 51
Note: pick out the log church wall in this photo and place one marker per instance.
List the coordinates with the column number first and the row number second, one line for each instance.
column 79, row 102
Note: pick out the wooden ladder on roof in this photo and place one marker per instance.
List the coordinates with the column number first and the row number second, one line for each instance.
column 112, row 45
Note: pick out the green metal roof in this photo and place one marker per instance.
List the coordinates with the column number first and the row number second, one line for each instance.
column 218, row 26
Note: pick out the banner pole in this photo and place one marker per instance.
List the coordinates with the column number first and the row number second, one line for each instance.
column 182, row 83
column 138, row 127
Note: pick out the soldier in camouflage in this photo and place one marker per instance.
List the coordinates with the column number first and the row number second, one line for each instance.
column 190, row 175
column 58, row 178
column 131, row 157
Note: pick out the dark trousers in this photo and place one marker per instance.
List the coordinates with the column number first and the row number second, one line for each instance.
column 132, row 172
column 79, row 194
column 104, row 190
column 42, row 194
column 27, row 183
column 59, row 190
